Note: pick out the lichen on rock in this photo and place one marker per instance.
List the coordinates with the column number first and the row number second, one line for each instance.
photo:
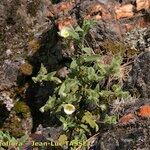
column 19, row 121
column 139, row 77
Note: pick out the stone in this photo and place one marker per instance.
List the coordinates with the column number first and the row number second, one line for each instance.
column 139, row 77
column 144, row 111
column 127, row 119
column 26, row 68
column 142, row 4
column 66, row 22
column 6, row 100
column 138, row 39
column 19, row 121
column 132, row 130
column 20, row 22
column 33, row 46
column 63, row 7
column 8, row 74
column 125, row 11
column 24, row 23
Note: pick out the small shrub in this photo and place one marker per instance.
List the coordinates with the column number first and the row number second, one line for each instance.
column 83, row 84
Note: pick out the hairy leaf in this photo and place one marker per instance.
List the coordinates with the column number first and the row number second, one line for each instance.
column 87, row 50
column 49, row 104
column 91, row 58
column 89, row 119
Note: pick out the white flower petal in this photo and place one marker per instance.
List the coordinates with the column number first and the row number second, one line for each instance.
column 64, row 33
column 69, row 109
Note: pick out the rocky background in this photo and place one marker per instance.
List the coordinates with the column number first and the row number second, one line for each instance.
column 28, row 37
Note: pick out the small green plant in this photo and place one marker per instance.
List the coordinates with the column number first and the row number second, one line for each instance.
column 77, row 36
column 7, row 141
column 82, row 86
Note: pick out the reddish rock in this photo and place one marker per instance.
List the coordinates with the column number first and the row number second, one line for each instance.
column 144, row 111
column 63, row 7
column 126, row 119
column 142, row 4
column 98, row 11
column 137, row 23
column 65, row 22
column 124, row 11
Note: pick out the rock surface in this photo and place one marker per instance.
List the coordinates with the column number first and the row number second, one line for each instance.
column 21, row 21
column 132, row 131
column 139, row 79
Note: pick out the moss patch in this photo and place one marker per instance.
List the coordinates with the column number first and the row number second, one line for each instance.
column 22, row 109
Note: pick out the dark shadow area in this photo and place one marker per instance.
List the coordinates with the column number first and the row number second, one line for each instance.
column 37, row 94
column 4, row 113
column 56, row 1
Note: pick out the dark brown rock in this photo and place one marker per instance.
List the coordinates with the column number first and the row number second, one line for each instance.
column 19, row 121
column 139, row 79
column 8, row 74
column 21, row 21
column 132, row 131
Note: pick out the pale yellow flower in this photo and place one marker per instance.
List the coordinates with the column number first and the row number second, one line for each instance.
column 69, row 109
column 64, row 32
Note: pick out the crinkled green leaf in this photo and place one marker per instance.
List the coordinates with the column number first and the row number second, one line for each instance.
column 49, row 104
column 73, row 64
column 67, row 123
column 62, row 90
column 79, row 29
column 97, row 88
column 89, row 119
column 71, row 97
column 93, row 95
column 110, row 119
column 56, row 80
column 85, row 127
column 43, row 76
column 119, row 92
column 114, row 66
column 106, row 93
column 102, row 69
column 87, row 50
column 87, row 24
column 59, row 108
column 43, row 70
column 24, row 138
column 91, row 58
column 92, row 76
column 71, row 84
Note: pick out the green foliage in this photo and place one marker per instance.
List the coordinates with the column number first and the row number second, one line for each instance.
column 68, row 123
column 43, row 76
column 63, row 139
column 78, row 34
column 110, row 119
column 118, row 91
column 17, row 143
column 49, row 104
column 115, row 93
column 89, row 119
column 69, row 32
column 22, row 109
column 82, row 85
